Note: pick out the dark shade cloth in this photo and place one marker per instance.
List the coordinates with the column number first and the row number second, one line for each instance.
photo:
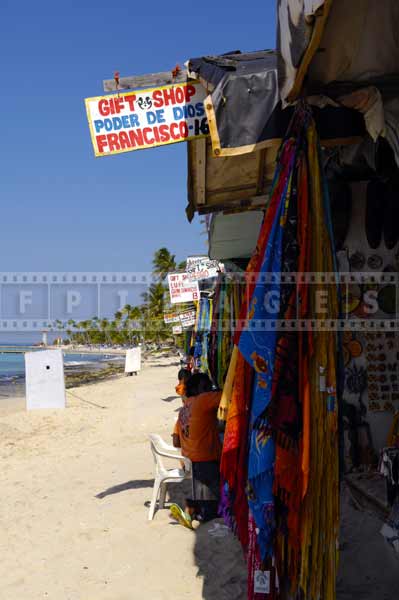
column 246, row 102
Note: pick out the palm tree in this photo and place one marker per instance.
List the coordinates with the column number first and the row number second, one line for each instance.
column 86, row 326
column 72, row 323
column 133, row 320
column 126, row 310
column 155, row 309
column 156, row 299
column 163, row 263
column 104, row 327
column 182, row 265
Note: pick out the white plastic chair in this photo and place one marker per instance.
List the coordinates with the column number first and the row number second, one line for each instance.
column 163, row 476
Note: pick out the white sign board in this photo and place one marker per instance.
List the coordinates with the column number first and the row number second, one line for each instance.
column 147, row 118
column 187, row 319
column 44, row 377
column 177, row 330
column 133, row 360
column 181, row 289
column 171, row 318
column 202, row 267
column 192, row 261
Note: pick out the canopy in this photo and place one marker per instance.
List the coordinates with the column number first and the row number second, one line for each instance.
column 243, row 108
column 325, row 41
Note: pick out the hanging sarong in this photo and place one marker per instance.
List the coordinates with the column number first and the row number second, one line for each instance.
column 258, row 346
column 233, row 465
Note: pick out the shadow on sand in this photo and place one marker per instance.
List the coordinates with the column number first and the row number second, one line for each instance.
column 134, row 484
column 219, row 560
column 156, row 366
column 170, row 398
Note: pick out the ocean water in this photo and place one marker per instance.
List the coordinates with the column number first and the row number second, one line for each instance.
column 12, row 368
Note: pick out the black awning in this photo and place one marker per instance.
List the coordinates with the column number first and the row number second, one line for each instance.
column 244, row 111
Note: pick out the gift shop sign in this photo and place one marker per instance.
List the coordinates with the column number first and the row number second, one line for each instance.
column 146, row 118
column 182, row 289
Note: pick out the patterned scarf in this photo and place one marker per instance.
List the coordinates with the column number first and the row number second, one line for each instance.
column 233, row 466
column 258, row 346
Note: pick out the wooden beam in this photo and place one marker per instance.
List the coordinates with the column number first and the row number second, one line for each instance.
column 151, row 80
column 201, row 171
column 254, row 203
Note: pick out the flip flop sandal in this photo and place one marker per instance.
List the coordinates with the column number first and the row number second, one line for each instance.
column 374, row 212
column 391, row 216
column 387, row 299
column 385, row 164
column 341, row 211
column 181, row 516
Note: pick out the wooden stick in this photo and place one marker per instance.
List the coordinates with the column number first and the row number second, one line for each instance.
column 134, row 82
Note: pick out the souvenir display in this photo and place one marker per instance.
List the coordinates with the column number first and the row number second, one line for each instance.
column 351, row 346
column 372, row 298
column 279, row 463
column 357, row 261
column 382, row 374
column 375, row 262
column 215, row 327
column 351, row 298
column 201, row 334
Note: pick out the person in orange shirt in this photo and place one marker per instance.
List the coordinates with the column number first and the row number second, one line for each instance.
column 196, row 433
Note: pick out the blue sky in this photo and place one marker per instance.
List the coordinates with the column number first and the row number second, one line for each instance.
column 63, row 209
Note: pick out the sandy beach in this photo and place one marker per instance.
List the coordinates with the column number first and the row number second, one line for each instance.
column 75, row 487
column 75, row 491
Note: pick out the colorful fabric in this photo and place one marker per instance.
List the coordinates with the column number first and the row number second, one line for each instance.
column 257, row 567
column 291, row 422
column 254, row 265
column 233, row 466
column 258, row 346
column 201, row 335
column 228, row 387
column 320, row 507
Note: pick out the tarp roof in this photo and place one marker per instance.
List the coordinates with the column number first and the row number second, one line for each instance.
column 243, row 108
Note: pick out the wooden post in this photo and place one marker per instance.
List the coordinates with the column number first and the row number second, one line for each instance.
column 151, row 80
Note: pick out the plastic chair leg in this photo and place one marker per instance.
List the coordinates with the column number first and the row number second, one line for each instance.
column 153, row 499
column 162, row 495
